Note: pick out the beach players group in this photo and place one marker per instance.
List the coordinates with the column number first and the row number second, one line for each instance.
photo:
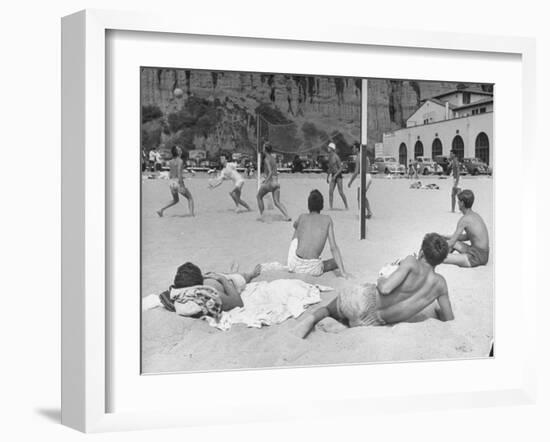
column 402, row 290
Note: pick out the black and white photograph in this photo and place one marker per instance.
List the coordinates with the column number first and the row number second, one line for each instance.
column 286, row 222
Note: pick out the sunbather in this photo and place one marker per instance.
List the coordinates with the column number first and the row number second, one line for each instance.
column 412, row 287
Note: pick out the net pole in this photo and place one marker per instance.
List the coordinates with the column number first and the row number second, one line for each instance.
column 363, row 153
column 258, row 154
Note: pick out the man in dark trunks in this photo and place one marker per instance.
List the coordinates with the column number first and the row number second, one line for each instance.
column 472, row 228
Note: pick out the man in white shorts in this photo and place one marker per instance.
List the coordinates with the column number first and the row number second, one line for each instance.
column 312, row 230
column 177, row 185
column 357, row 154
column 229, row 172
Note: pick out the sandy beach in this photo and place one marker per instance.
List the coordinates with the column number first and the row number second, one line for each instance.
column 218, row 237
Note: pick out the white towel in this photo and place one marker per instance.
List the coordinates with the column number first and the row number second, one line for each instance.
column 268, row 303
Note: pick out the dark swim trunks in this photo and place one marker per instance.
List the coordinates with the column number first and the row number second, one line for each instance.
column 338, row 176
column 476, row 256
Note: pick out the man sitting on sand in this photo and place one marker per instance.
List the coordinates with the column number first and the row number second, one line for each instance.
column 311, row 231
column 470, row 227
column 225, row 287
column 412, row 287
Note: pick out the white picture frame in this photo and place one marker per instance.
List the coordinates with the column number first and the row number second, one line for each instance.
column 85, row 233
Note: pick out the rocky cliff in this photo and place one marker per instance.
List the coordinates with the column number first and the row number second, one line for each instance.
column 304, row 111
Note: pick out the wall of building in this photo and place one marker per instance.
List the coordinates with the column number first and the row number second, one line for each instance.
column 468, row 111
column 429, row 110
column 467, row 127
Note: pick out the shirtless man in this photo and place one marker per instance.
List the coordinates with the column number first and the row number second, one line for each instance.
column 228, row 286
column 357, row 153
column 412, row 287
column 229, row 172
column 271, row 184
column 176, row 183
column 335, row 171
column 455, row 170
column 470, row 227
column 311, row 231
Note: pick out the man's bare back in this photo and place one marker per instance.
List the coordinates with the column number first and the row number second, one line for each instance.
column 475, row 229
column 472, row 228
column 312, row 231
column 409, row 290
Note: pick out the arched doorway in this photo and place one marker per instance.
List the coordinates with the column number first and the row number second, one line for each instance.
column 458, row 146
column 437, row 148
column 403, row 154
column 418, row 149
column 482, row 147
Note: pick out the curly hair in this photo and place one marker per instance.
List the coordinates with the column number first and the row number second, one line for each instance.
column 188, row 275
column 435, row 248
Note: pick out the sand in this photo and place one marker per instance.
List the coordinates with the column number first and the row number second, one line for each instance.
column 218, row 238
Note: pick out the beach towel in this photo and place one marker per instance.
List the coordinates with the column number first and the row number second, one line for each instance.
column 296, row 264
column 269, row 303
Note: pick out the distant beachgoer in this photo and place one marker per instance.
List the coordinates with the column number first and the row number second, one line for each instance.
column 224, row 287
column 177, row 185
column 357, row 153
column 412, row 287
column 311, row 231
column 229, row 172
column 271, row 184
column 154, row 156
column 455, row 170
column 470, row 227
column 335, row 175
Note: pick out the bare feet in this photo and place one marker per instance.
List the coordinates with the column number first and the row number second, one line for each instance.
column 369, row 215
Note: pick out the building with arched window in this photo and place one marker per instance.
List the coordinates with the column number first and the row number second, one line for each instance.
column 461, row 119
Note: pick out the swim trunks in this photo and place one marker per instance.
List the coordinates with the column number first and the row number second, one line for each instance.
column 337, row 176
column 359, row 305
column 476, row 256
column 296, row 264
column 174, row 185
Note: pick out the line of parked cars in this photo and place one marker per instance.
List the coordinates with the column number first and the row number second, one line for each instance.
column 440, row 165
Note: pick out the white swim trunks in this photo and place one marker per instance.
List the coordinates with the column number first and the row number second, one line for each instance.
column 174, row 185
column 296, row 264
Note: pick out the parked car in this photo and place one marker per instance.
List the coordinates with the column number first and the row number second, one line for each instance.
column 475, row 166
column 387, row 165
column 427, row 166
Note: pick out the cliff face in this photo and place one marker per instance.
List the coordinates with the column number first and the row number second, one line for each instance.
column 318, row 107
column 326, row 106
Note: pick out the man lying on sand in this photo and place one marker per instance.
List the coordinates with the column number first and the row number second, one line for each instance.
column 470, row 227
column 228, row 286
column 311, row 231
column 412, row 287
